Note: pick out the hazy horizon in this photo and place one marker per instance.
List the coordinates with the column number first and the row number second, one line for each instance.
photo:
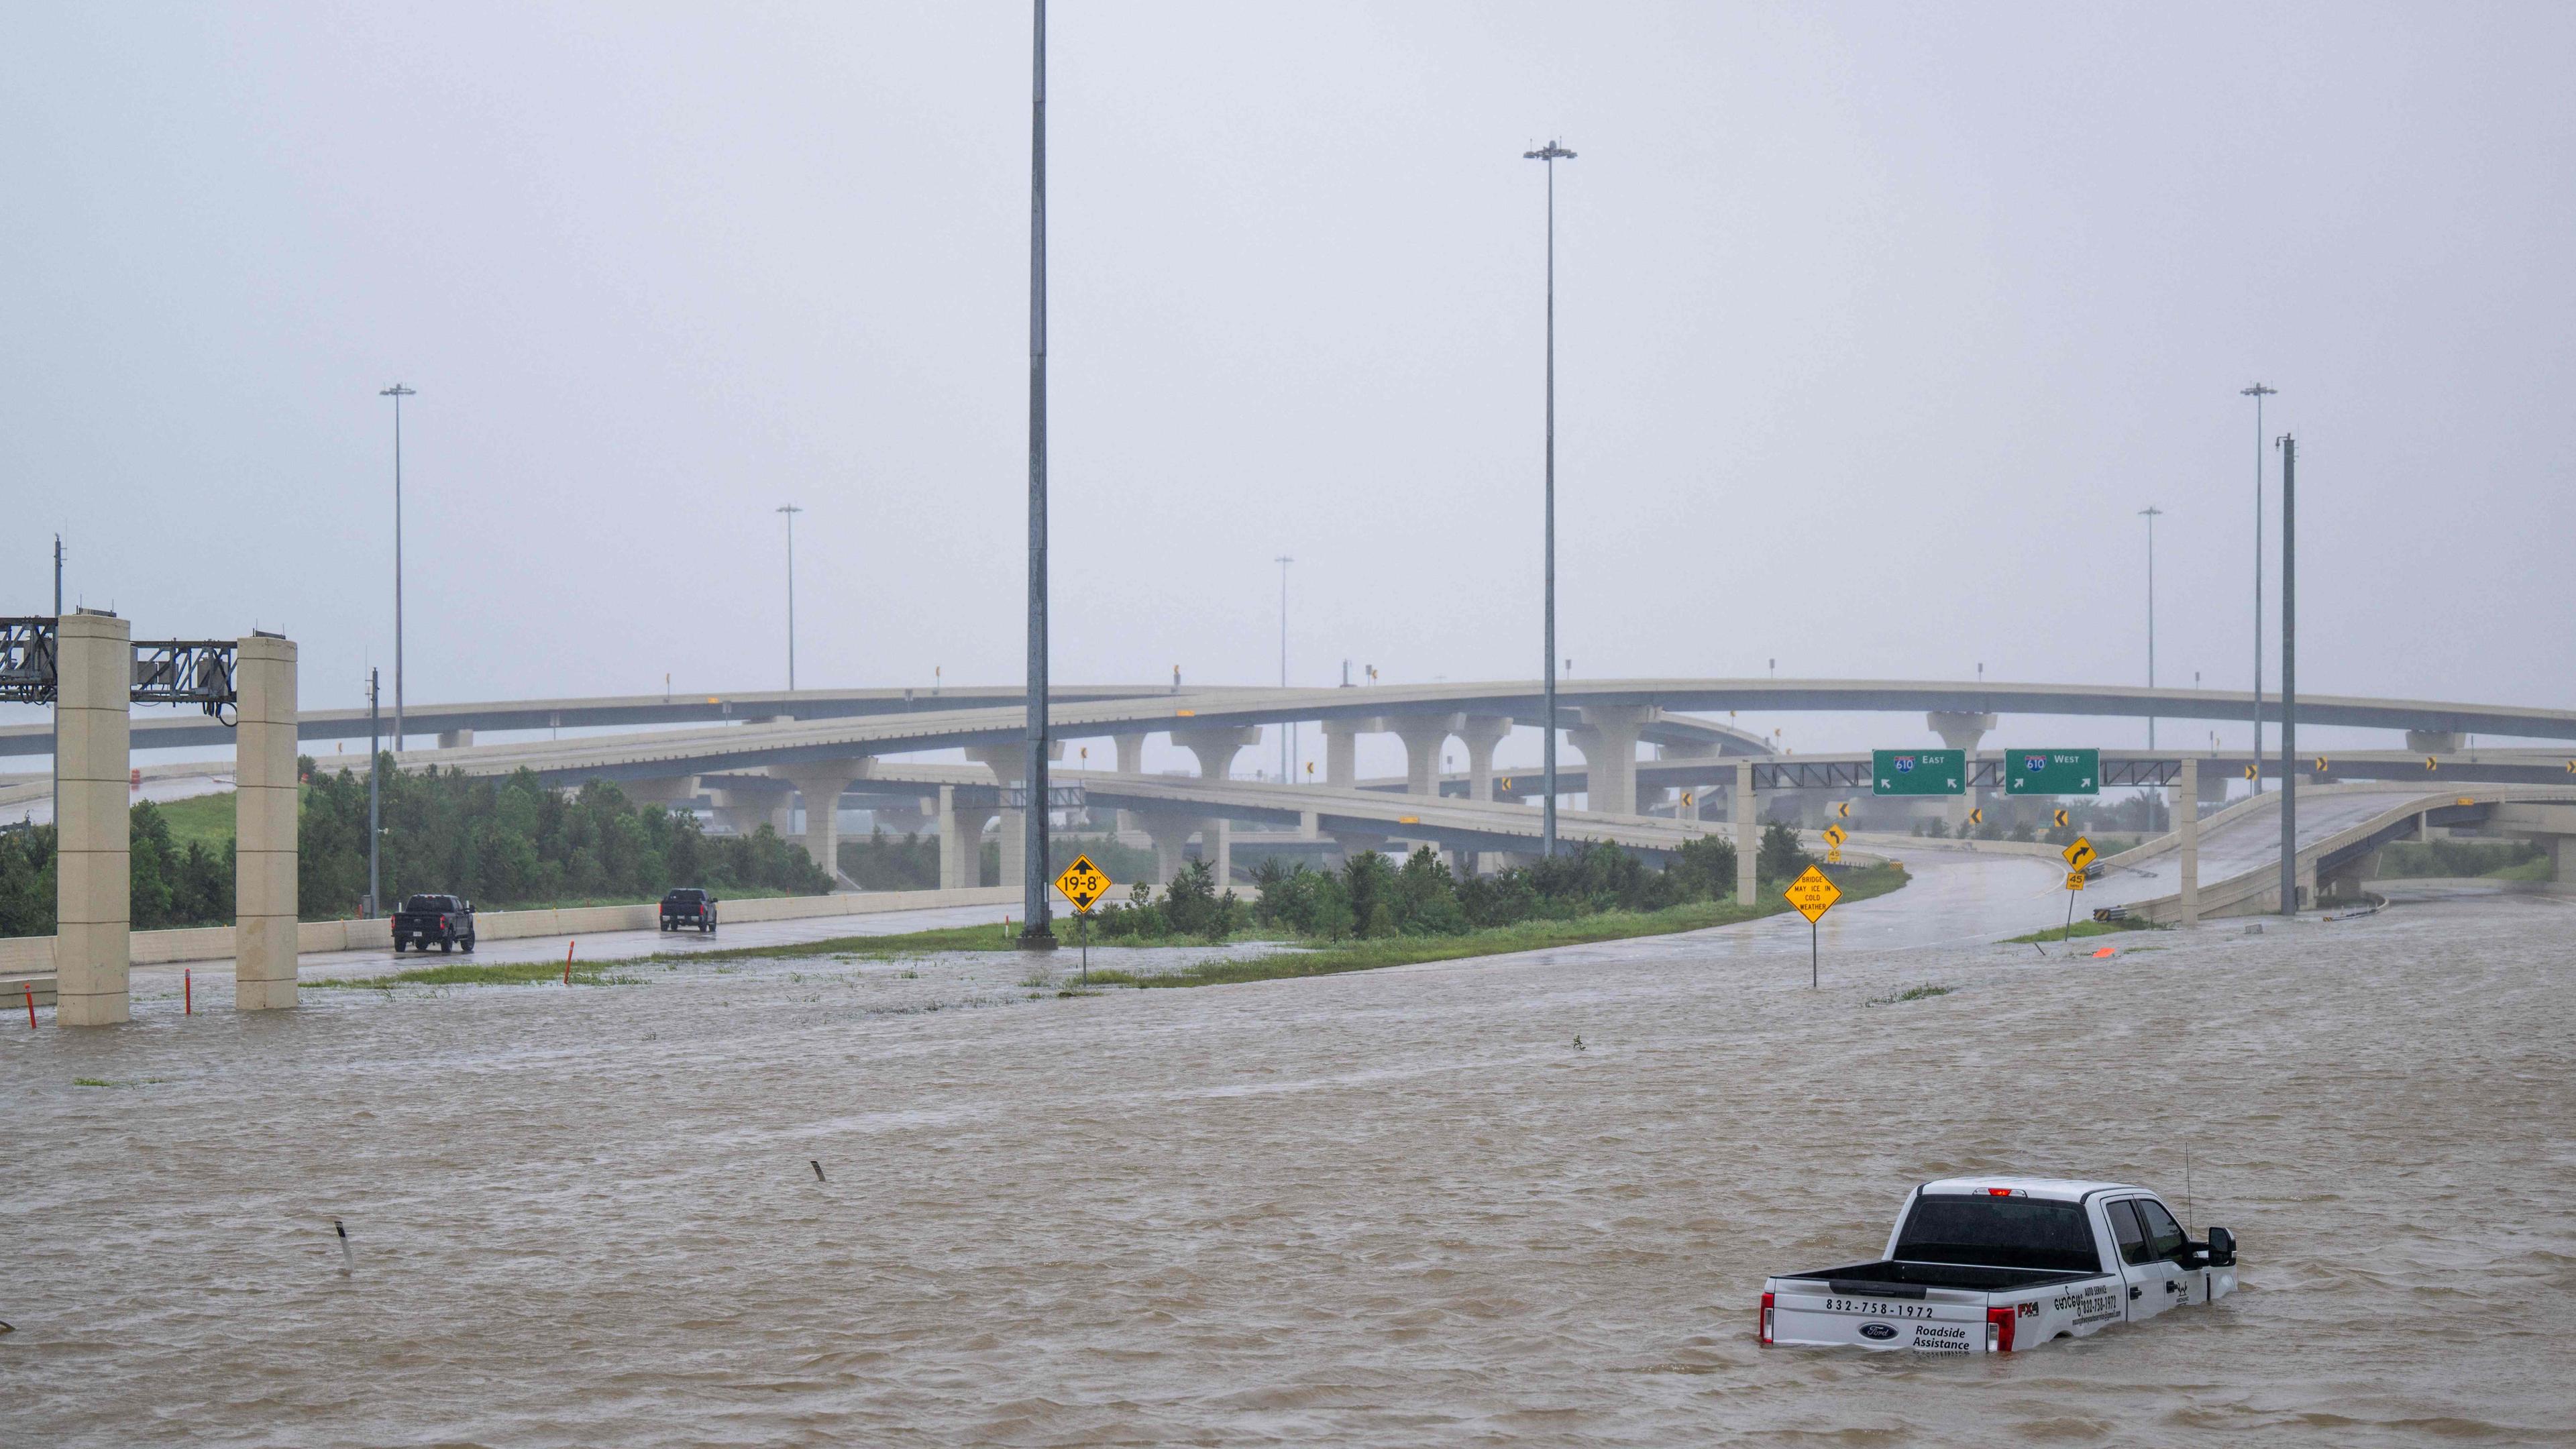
column 1877, row 330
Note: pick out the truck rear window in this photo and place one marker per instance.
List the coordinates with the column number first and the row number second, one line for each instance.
column 2000, row 1232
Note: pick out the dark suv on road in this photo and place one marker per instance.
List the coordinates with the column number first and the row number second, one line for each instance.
column 691, row 907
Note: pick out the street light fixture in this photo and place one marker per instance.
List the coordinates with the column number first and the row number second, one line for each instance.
column 1551, row 153
column 2258, row 392
column 398, row 392
column 791, row 510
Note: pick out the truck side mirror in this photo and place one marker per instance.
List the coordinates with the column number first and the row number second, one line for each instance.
column 2222, row 1247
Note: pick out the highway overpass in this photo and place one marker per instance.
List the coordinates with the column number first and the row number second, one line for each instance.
column 1516, row 700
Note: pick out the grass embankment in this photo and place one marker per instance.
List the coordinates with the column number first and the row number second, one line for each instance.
column 205, row 820
column 1326, row 960
column 1369, row 955
column 2084, row 926
column 498, row 973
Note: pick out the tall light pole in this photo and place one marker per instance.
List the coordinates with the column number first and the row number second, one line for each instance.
column 375, row 783
column 791, row 510
column 1286, row 731
column 1034, row 934
column 1551, row 153
column 2258, row 392
column 2151, row 513
column 2289, row 674
column 397, row 392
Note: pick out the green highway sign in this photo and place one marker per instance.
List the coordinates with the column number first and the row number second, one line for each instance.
column 2052, row 772
column 1918, row 772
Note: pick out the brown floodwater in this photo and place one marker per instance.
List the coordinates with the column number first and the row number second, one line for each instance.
column 1394, row 1208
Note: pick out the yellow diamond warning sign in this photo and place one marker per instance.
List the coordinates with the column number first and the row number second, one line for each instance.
column 1834, row 835
column 1083, row 883
column 1813, row 894
column 2079, row 855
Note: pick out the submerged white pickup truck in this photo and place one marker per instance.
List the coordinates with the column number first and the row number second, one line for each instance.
column 1990, row 1264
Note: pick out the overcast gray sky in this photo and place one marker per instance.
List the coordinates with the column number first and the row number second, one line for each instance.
column 1878, row 325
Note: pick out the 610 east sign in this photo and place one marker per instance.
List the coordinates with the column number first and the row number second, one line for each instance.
column 1918, row 772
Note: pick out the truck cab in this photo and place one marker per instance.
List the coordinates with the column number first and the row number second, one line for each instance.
column 1992, row 1264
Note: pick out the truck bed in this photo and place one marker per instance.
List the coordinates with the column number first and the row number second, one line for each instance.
column 1897, row 1278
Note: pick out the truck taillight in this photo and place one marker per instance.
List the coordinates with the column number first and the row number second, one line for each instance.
column 442, row 923
column 1999, row 1329
column 1766, row 1318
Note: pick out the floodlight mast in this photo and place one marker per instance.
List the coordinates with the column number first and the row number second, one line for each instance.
column 1550, row 154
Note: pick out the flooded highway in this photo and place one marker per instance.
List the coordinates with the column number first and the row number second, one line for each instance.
column 1517, row 1199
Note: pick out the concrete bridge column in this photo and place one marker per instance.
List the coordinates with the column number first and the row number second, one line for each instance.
column 93, row 883
column 2187, row 824
column 1480, row 733
column 961, row 841
column 743, row 809
column 455, row 739
column 1748, row 834
column 265, row 806
column 1423, row 737
column 1310, row 825
column 1608, row 739
column 1341, row 749
column 1216, row 746
column 1170, row 832
column 820, row 784
column 1355, row 842
column 1131, row 761
column 1010, row 766
column 671, row 792
column 1961, row 730
column 2432, row 742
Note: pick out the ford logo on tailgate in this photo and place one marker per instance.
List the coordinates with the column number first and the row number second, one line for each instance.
column 1879, row 1331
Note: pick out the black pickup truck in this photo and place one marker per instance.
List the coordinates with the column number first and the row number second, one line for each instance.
column 689, row 908
column 446, row 920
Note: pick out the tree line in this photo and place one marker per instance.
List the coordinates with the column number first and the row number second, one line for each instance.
column 1373, row 895
column 500, row 843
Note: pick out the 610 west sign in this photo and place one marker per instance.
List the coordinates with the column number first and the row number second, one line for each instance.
column 2052, row 772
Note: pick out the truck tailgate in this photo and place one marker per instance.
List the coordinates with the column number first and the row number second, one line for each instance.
column 1804, row 1310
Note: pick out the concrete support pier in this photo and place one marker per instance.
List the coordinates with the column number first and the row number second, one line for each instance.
column 1216, row 746
column 1131, row 761
column 93, row 882
column 265, row 807
column 1480, row 733
column 1424, row 737
column 820, row 784
column 1608, row 739
column 961, row 841
column 2187, row 823
column 1748, row 834
column 1961, row 730
column 671, row 792
column 1170, row 833
column 1341, row 749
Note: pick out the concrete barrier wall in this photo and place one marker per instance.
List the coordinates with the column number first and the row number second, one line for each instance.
column 22, row 955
